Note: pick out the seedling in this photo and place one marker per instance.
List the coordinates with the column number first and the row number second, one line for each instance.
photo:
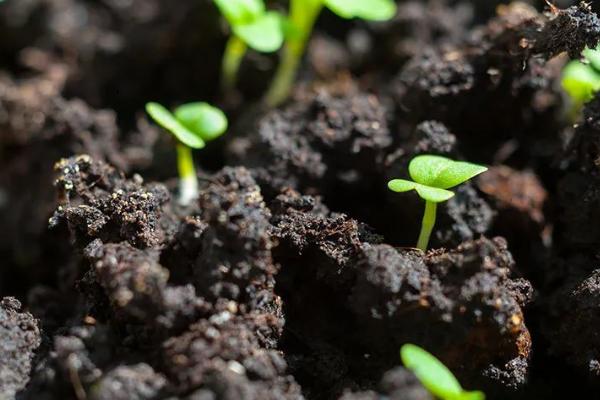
column 252, row 26
column 302, row 17
column 434, row 375
column 581, row 81
column 432, row 175
column 192, row 125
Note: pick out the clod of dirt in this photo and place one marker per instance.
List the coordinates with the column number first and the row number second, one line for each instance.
column 520, row 200
column 381, row 298
column 569, row 30
column 495, row 69
column 38, row 127
column 96, row 201
column 314, row 142
column 233, row 208
column 127, row 382
column 573, row 318
column 224, row 356
column 20, row 337
column 517, row 191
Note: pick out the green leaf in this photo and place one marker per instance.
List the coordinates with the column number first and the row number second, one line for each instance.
column 428, row 193
column 167, row 120
column 240, row 11
column 441, row 172
column 434, row 375
column 580, row 81
column 593, row 56
column 264, row 34
column 401, row 185
column 373, row 10
column 206, row 121
column 432, row 194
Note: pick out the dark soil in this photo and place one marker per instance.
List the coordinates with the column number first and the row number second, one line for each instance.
column 292, row 276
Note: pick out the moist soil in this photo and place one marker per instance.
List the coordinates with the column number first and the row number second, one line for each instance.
column 293, row 274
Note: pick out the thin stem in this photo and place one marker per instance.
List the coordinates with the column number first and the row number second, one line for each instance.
column 303, row 15
column 232, row 59
column 188, row 181
column 427, row 224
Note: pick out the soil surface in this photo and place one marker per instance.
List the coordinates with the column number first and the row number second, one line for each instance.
column 293, row 275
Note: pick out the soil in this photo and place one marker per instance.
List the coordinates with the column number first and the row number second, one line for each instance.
column 293, row 274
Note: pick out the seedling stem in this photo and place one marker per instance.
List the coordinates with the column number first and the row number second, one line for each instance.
column 427, row 225
column 232, row 59
column 188, row 182
column 302, row 18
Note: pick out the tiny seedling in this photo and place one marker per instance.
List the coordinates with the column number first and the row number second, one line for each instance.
column 581, row 81
column 434, row 375
column 302, row 17
column 192, row 125
column 252, row 26
column 431, row 176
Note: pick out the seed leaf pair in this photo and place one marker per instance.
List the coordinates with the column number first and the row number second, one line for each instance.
column 434, row 375
column 260, row 29
column 433, row 174
column 192, row 124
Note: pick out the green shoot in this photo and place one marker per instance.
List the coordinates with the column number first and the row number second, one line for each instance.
column 581, row 80
column 302, row 17
column 252, row 26
column 192, row 125
column 431, row 176
column 434, row 375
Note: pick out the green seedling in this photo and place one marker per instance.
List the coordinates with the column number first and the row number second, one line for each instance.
column 192, row 125
column 431, row 176
column 251, row 26
column 434, row 375
column 302, row 17
column 581, row 81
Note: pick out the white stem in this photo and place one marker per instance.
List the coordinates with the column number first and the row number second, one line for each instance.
column 188, row 190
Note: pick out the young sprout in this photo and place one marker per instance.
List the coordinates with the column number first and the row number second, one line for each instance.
column 434, row 375
column 302, row 17
column 252, row 26
column 581, row 80
column 192, row 124
column 432, row 175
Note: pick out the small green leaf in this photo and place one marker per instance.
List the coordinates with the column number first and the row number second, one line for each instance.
column 425, row 169
column 372, row 10
column 167, row 120
column 206, row 121
column 431, row 372
column 593, row 56
column 264, row 34
column 428, row 193
column 457, row 173
column 580, row 81
column 432, row 194
column 441, row 172
column 401, row 185
column 240, row 11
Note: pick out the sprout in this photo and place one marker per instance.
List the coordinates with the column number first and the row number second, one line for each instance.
column 432, row 175
column 581, row 80
column 192, row 124
column 252, row 26
column 434, row 375
column 302, row 17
